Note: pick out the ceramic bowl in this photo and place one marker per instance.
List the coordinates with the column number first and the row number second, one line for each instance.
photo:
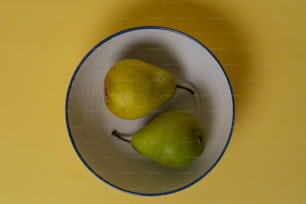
column 90, row 123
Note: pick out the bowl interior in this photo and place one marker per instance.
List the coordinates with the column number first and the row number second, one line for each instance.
column 90, row 123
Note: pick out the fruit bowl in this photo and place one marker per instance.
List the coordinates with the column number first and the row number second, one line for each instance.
column 90, row 124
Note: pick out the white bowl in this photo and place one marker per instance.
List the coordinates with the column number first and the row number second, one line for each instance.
column 90, row 123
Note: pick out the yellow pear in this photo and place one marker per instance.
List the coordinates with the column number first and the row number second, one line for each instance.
column 134, row 88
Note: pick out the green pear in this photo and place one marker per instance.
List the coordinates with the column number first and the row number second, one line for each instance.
column 173, row 139
column 134, row 88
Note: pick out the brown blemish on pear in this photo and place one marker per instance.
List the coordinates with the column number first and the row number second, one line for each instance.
column 106, row 90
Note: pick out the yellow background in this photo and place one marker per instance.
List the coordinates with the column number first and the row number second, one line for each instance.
column 262, row 45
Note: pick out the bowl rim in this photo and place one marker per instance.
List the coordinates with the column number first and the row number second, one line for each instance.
column 127, row 30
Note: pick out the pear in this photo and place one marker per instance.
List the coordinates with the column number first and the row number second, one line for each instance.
column 134, row 88
column 172, row 138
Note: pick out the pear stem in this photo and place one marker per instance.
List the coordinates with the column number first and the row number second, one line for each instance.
column 185, row 88
column 118, row 135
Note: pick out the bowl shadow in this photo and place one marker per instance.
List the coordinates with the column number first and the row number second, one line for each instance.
column 223, row 36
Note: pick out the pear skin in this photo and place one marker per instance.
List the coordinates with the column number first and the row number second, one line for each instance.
column 173, row 139
column 133, row 88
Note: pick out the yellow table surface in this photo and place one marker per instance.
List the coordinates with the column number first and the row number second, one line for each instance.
column 262, row 45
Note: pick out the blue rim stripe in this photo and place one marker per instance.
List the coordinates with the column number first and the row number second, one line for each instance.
column 104, row 41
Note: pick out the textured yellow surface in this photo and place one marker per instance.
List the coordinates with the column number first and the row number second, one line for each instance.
column 262, row 45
